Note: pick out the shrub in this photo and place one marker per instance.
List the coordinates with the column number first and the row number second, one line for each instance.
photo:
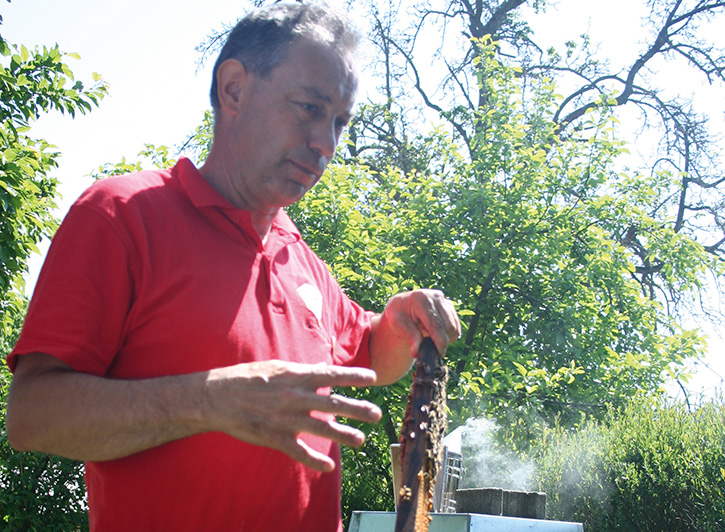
column 653, row 466
column 38, row 492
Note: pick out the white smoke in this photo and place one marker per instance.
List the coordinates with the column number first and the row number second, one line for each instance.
column 487, row 464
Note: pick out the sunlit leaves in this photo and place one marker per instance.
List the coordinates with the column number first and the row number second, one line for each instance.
column 527, row 232
column 32, row 82
column 38, row 491
column 650, row 466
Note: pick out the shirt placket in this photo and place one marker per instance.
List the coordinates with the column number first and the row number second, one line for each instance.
column 276, row 242
column 276, row 294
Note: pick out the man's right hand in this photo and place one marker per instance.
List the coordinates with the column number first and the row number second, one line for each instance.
column 52, row 408
column 271, row 403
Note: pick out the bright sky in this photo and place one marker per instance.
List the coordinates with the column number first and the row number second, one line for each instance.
column 145, row 51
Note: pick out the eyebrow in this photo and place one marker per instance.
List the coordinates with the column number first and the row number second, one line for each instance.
column 317, row 93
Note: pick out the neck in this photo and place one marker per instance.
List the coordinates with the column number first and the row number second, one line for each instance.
column 261, row 218
column 262, row 224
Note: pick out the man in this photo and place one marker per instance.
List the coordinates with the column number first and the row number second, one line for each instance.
column 182, row 339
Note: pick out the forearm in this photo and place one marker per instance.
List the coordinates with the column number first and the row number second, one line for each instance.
column 53, row 409
column 390, row 355
column 80, row 416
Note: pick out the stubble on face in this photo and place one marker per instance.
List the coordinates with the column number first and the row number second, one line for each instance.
column 293, row 123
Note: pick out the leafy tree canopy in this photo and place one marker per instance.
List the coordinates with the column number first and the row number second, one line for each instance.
column 32, row 82
column 37, row 491
column 569, row 270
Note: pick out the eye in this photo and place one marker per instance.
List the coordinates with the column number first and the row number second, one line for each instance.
column 341, row 124
column 310, row 108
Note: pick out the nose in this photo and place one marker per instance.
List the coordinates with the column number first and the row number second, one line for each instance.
column 323, row 139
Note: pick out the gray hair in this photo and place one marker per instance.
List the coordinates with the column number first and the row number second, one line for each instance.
column 261, row 39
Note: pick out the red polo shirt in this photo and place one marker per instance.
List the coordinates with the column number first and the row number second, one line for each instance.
column 157, row 274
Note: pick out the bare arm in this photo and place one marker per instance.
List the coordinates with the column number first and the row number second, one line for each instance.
column 397, row 333
column 54, row 409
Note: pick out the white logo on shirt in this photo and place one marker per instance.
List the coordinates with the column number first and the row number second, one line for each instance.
column 312, row 297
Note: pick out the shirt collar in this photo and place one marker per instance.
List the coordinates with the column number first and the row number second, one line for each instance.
column 203, row 195
column 197, row 188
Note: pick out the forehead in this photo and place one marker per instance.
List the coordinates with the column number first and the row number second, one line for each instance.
column 320, row 70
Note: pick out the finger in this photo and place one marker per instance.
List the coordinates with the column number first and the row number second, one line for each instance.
column 314, row 459
column 442, row 325
column 435, row 319
column 298, row 450
column 340, row 405
column 283, row 434
column 299, row 401
column 330, row 429
column 411, row 331
column 326, row 376
column 450, row 325
column 452, row 319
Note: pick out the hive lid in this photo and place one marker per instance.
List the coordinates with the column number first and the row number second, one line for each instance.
column 385, row 522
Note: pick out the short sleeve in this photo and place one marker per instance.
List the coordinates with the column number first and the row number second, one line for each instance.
column 83, row 294
column 353, row 332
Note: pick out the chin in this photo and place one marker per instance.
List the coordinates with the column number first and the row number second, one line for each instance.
column 294, row 196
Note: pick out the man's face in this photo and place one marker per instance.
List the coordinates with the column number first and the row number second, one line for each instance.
column 288, row 129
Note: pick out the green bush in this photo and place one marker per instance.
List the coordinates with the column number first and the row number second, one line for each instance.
column 38, row 492
column 651, row 467
column 367, row 481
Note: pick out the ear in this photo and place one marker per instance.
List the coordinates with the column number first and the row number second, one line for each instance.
column 233, row 85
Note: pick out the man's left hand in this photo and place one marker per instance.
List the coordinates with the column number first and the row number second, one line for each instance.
column 399, row 330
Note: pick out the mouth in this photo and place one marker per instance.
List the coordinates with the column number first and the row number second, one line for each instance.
column 314, row 175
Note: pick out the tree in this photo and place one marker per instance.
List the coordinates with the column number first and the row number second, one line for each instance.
column 692, row 202
column 520, row 234
column 37, row 491
column 568, row 269
column 32, row 82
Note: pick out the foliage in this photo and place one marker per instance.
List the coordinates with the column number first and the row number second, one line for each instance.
column 39, row 492
column 521, row 237
column 652, row 467
column 365, row 467
column 157, row 155
column 196, row 147
column 522, row 233
column 424, row 59
column 32, row 82
column 563, row 267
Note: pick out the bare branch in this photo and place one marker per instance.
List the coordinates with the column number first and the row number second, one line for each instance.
column 418, row 87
